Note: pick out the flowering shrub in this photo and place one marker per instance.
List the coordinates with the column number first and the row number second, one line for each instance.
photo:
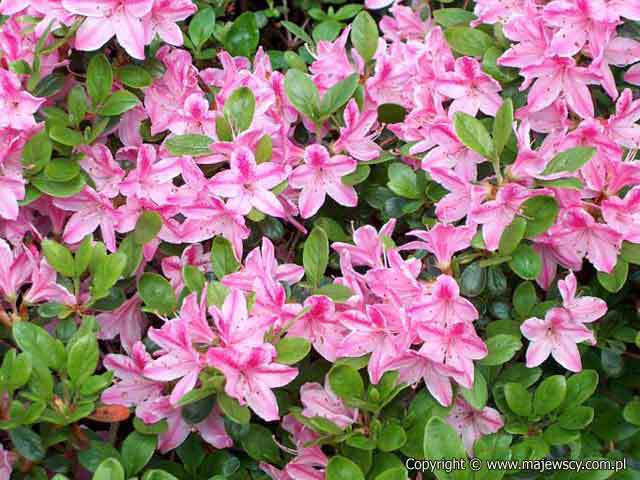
column 314, row 239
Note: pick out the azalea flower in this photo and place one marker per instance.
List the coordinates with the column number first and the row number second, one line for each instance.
column 16, row 266
column 106, row 18
column 355, row 137
column 126, row 321
column 250, row 374
column 443, row 241
column 16, row 105
column 319, row 401
column 582, row 309
column 162, row 18
column 556, row 335
column 369, row 245
column 321, row 175
column 472, row 424
column 11, row 192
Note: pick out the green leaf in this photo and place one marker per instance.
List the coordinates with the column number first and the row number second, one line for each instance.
column 292, row 349
column 150, row 428
column 27, row 443
column 338, row 95
column 197, row 410
column 364, row 35
column 490, row 66
column 118, row 103
column 239, row 109
column 315, row 255
column 502, row 348
column 82, row 359
column 192, row 144
column 158, row 475
column 259, row 444
column 194, row 279
column 550, row 394
column 106, row 273
column 512, row 236
column 233, row 410
column 569, row 160
column 468, row 41
column 577, row 418
column 442, row 442
column 392, row 437
column 526, row 262
column 223, row 260
column 43, row 347
column 134, row 76
column 59, row 189
column 570, row 182
column 303, row 94
column 614, row 281
column 66, row 136
column 447, row 17
column 62, row 170
column 346, row 382
column 264, row 149
column 630, row 252
column 473, row 280
column 243, row 36
column 109, row 469
column 137, row 450
column 631, row 412
column 297, row 31
column 337, row 293
column 202, row 26
column 404, row 181
column 518, row 399
column 99, row 78
column 580, row 387
column 541, row 213
column 147, row 227
column 503, row 126
column 37, row 152
column 391, row 113
column 156, row 292
column 473, row 134
column 341, row 468
column 524, row 298
column 59, row 257
column 77, row 104
column 478, row 394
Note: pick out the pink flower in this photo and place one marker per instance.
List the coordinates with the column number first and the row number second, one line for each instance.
column 471, row 88
column 91, row 210
column 11, row 191
column 44, row 287
column 102, row 168
column 248, row 184
column 622, row 126
column 473, row 424
column 125, row 321
column 15, row 268
column 578, row 231
column 6, row 462
column 496, row 215
column 132, row 387
column 463, row 196
column 579, row 21
column 581, row 309
column 309, row 464
column 235, row 327
column 623, row 214
column 443, row 241
column 195, row 117
column 498, row 11
column 555, row 76
column 211, row 429
column 261, row 263
column 533, row 37
column 355, row 137
column 444, row 307
column 369, row 245
column 332, row 63
column 178, row 360
column 17, row 106
column 377, row 4
column 321, row 175
column 106, row 18
column 557, row 335
column 192, row 255
column 152, row 177
column 414, row 366
column 162, row 20
column 319, row 401
column 319, row 326
column 456, row 346
column 10, row 7
column 251, row 373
